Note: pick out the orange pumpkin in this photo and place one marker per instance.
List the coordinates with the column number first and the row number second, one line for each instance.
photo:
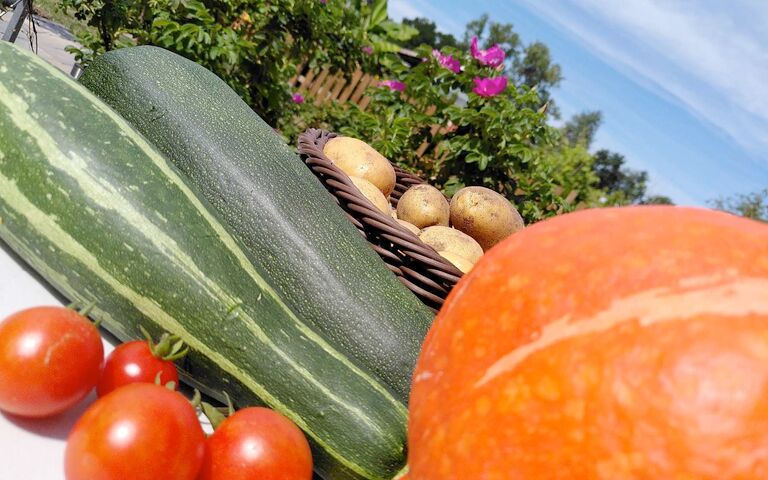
column 612, row 344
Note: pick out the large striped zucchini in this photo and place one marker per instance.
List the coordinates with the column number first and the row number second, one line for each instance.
column 286, row 220
column 104, row 217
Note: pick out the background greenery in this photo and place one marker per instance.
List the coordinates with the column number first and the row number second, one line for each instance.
column 506, row 142
column 51, row 9
column 751, row 205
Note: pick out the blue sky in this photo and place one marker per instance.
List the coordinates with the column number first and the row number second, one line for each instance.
column 682, row 84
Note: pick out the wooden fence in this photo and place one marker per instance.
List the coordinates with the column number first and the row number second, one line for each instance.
column 324, row 87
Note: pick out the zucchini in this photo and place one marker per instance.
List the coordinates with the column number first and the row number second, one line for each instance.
column 104, row 217
column 288, row 223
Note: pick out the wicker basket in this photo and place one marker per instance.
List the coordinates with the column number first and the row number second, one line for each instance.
column 416, row 264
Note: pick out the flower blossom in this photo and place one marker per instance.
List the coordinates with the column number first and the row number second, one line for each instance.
column 298, row 98
column 493, row 57
column 393, row 85
column 368, row 50
column 489, row 87
column 447, row 61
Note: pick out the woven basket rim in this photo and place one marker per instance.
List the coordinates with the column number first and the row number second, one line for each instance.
column 311, row 143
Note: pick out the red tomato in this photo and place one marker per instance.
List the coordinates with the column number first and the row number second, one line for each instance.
column 134, row 362
column 257, row 443
column 50, row 358
column 139, row 432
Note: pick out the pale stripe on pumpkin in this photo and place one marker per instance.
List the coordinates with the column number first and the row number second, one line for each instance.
column 694, row 297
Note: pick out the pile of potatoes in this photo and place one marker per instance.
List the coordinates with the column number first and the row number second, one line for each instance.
column 474, row 220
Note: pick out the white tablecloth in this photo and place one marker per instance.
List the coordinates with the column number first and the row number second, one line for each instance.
column 31, row 449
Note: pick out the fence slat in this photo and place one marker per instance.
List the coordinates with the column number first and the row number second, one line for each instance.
column 328, row 88
column 364, row 102
column 325, row 89
column 572, row 196
column 307, row 81
column 351, row 86
column 426, row 143
column 422, row 148
column 361, row 86
column 318, row 82
column 360, row 90
column 293, row 79
column 340, row 82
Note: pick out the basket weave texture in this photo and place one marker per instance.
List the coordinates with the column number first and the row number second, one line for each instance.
column 416, row 264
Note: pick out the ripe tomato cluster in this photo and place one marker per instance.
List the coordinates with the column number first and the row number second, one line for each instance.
column 140, row 427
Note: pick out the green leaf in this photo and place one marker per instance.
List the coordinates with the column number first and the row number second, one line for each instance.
column 382, row 45
column 398, row 31
column 213, row 414
column 378, row 13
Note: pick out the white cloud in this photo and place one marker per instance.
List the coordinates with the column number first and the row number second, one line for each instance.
column 445, row 20
column 399, row 9
column 659, row 182
column 709, row 56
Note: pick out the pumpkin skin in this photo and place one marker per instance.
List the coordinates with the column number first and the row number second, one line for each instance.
column 626, row 343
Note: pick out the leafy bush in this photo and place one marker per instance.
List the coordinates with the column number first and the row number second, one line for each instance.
column 253, row 45
column 491, row 133
column 752, row 205
column 498, row 139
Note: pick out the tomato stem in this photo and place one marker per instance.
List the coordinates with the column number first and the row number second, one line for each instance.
column 170, row 385
column 230, row 406
column 196, row 399
column 86, row 310
column 169, row 347
column 146, row 334
column 213, row 414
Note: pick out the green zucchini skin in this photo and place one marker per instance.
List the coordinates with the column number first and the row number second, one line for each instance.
column 311, row 254
column 104, row 217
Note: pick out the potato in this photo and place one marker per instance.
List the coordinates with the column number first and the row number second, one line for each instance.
column 423, row 206
column 393, row 212
column 447, row 239
column 458, row 261
column 372, row 193
column 358, row 159
column 484, row 215
column 409, row 226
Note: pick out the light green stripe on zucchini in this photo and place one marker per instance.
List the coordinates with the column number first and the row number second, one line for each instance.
column 97, row 212
column 224, row 236
column 108, row 196
column 18, row 202
column 288, row 224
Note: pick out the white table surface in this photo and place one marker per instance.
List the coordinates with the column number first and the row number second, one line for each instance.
column 31, row 449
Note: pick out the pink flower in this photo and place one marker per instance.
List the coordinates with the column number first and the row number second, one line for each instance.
column 447, row 61
column 493, row 57
column 489, row 87
column 324, row 2
column 298, row 98
column 393, row 85
column 368, row 50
